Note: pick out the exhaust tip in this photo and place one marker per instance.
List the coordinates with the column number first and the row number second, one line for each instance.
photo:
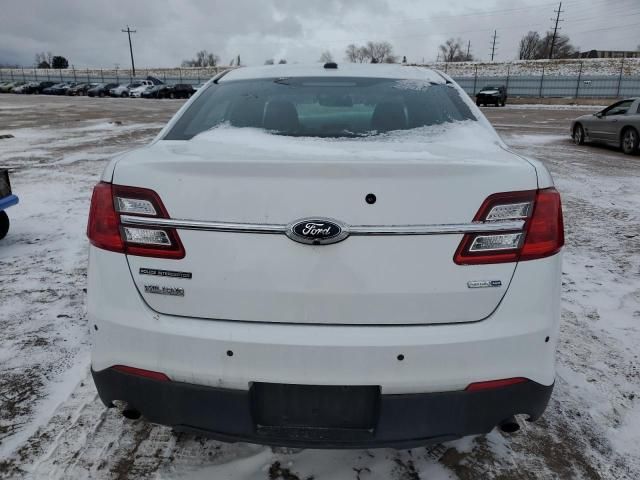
column 510, row 425
column 131, row 414
column 125, row 410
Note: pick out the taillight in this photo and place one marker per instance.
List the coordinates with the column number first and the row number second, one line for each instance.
column 106, row 231
column 541, row 236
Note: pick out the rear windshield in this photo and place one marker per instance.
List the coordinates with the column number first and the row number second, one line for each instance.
column 321, row 107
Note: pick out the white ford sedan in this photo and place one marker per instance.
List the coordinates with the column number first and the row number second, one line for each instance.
column 326, row 256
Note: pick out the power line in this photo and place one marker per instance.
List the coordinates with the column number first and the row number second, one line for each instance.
column 555, row 30
column 128, row 31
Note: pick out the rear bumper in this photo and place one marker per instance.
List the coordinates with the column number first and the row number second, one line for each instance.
column 401, row 420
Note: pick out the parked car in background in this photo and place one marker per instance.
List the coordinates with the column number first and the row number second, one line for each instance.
column 397, row 287
column 81, row 89
column 137, row 92
column 123, row 90
column 38, row 87
column 60, row 88
column 23, row 88
column 617, row 125
column 155, row 91
column 101, row 89
column 492, row 95
column 199, row 86
column 8, row 87
column 180, row 90
column 7, row 199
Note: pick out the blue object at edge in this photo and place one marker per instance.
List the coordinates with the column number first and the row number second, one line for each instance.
column 9, row 201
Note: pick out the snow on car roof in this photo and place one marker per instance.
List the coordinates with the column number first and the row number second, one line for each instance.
column 343, row 70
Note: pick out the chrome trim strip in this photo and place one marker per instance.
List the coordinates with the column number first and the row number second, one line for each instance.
column 444, row 229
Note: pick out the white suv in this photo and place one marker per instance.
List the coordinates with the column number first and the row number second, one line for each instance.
column 326, row 256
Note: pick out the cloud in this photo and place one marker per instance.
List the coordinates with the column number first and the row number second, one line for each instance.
column 168, row 31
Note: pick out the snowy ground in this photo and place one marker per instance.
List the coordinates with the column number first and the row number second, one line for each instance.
column 53, row 426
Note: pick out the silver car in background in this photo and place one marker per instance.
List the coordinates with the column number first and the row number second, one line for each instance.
column 617, row 125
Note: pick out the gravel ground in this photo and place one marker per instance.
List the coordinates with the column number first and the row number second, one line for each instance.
column 53, row 426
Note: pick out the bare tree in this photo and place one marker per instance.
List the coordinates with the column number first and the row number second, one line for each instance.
column 379, row 52
column 282, row 61
column 529, row 46
column 562, row 47
column 203, row 59
column 269, row 62
column 44, row 60
column 452, row 51
column 352, row 53
column 373, row 52
column 535, row 47
column 326, row 57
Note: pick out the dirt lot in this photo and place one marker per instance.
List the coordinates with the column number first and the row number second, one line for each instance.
column 53, row 426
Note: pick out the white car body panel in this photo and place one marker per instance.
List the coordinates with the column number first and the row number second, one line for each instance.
column 413, row 279
column 511, row 342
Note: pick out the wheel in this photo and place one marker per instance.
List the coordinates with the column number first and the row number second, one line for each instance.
column 101, row 94
column 172, row 95
column 478, row 102
column 124, row 94
column 578, row 135
column 4, row 224
column 503, row 103
column 630, row 141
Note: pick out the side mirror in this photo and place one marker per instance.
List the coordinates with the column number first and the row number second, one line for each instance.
column 599, row 114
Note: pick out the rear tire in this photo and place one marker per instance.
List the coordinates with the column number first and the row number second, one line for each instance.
column 578, row 135
column 4, row 224
column 630, row 140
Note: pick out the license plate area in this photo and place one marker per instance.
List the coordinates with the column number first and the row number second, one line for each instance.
column 309, row 407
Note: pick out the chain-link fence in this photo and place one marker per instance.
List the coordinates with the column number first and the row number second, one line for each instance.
column 556, row 86
column 535, row 86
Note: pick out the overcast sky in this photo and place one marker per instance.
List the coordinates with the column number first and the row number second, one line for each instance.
column 88, row 32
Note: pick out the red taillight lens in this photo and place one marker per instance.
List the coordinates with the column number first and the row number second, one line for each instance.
column 545, row 230
column 493, row 384
column 542, row 235
column 105, row 229
column 138, row 372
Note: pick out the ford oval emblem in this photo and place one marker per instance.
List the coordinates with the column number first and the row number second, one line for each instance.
column 317, row 231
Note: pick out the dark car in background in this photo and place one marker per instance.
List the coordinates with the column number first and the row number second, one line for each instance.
column 617, row 125
column 101, row 89
column 38, row 87
column 59, row 88
column 180, row 90
column 81, row 89
column 492, row 95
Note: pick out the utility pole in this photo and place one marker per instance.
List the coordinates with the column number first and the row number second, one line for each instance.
column 493, row 44
column 468, row 50
column 128, row 31
column 555, row 29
